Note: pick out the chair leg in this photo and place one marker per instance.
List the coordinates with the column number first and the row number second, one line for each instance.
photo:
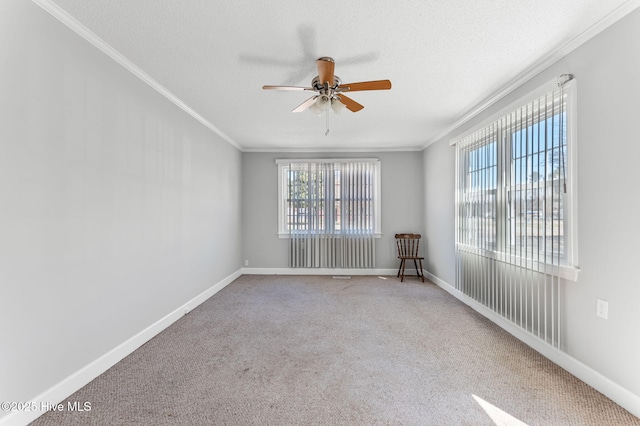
column 402, row 274
column 400, row 267
column 421, row 272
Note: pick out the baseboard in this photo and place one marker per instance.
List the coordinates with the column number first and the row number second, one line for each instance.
column 619, row 394
column 82, row 377
column 199, row 299
column 318, row 271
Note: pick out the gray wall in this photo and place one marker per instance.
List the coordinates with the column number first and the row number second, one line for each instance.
column 401, row 192
column 439, row 188
column 117, row 207
column 607, row 69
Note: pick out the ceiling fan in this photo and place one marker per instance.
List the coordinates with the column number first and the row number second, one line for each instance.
column 330, row 90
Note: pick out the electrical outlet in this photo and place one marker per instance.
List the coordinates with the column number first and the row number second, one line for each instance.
column 246, row 263
column 602, row 308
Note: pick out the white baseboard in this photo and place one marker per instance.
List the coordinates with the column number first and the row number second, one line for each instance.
column 318, row 271
column 82, row 377
column 619, row 394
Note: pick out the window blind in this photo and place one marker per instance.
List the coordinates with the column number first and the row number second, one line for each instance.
column 330, row 213
column 513, row 225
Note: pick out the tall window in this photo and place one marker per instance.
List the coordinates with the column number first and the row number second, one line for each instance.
column 329, row 196
column 330, row 211
column 514, row 191
column 479, row 204
column 515, row 208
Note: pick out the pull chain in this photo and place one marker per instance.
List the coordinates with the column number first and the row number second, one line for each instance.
column 327, row 132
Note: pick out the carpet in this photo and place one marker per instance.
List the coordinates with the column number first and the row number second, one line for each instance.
column 312, row 350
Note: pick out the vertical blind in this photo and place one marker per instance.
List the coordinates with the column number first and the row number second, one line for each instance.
column 330, row 210
column 511, row 224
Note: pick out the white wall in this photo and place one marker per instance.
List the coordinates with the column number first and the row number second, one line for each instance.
column 116, row 207
column 606, row 69
column 401, row 192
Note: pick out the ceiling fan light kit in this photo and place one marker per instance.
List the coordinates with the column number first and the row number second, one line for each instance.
column 336, row 105
column 329, row 89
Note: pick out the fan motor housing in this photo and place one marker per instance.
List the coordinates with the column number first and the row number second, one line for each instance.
column 315, row 83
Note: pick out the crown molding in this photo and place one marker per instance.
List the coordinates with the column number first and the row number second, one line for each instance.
column 334, row 150
column 518, row 81
column 540, row 66
column 62, row 16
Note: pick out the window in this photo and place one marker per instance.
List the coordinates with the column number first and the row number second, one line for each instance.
column 515, row 185
column 329, row 196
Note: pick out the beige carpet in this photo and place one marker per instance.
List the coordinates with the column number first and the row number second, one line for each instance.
column 293, row 350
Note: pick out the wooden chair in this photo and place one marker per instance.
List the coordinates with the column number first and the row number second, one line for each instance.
column 408, row 246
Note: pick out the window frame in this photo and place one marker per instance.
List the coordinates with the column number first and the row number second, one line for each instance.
column 283, row 166
column 568, row 269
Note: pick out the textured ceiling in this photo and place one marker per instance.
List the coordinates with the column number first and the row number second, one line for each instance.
column 444, row 57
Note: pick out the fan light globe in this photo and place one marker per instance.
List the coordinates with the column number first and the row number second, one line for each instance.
column 314, row 108
column 323, row 102
column 336, row 105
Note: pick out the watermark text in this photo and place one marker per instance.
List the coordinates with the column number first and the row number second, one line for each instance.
column 73, row 406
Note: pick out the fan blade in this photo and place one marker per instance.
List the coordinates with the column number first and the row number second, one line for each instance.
column 366, row 85
column 306, row 104
column 350, row 103
column 326, row 67
column 288, row 88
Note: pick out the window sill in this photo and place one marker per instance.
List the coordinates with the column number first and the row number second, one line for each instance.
column 566, row 272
